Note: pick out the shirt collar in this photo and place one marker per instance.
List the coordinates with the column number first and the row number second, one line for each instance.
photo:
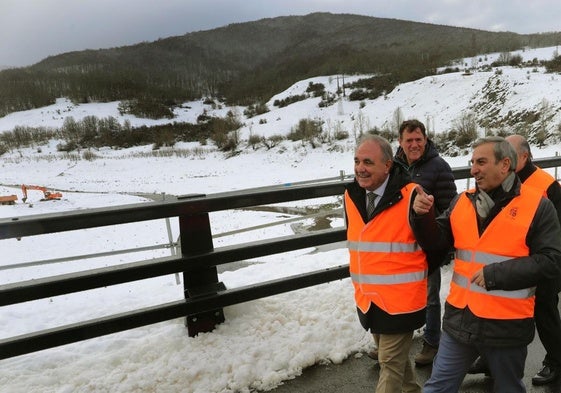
column 380, row 190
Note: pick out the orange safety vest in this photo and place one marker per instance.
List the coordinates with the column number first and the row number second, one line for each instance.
column 503, row 239
column 387, row 266
column 540, row 180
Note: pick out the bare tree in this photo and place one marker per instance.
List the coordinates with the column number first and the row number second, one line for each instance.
column 397, row 119
column 360, row 125
column 546, row 113
column 466, row 129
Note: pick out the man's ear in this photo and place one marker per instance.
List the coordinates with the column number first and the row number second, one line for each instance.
column 389, row 164
column 506, row 164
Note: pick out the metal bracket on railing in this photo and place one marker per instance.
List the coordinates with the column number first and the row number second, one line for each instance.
column 196, row 238
column 205, row 321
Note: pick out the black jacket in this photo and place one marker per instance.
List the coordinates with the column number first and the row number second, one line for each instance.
column 544, row 262
column 435, row 175
column 376, row 320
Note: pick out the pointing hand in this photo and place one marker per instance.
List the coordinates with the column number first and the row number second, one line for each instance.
column 423, row 201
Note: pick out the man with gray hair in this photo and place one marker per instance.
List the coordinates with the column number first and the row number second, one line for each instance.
column 388, row 269
column 546, row 311
column 506, row 237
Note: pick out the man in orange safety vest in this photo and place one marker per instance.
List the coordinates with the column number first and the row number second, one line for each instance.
column 388, row 268
column 506, row 236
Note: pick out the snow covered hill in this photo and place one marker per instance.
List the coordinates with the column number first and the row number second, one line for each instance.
column 510, row 94
column 504, row 93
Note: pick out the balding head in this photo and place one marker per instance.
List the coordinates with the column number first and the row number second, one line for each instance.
column 520, row 144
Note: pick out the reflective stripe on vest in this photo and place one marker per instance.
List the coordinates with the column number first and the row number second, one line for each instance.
column 464, row 282
column 383, row 246
column 502, row 240
column 388, row 279
column 384, row 271
column 480, row 256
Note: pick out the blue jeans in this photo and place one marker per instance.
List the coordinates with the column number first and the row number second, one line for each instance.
column 454, row 358
column 432, row 327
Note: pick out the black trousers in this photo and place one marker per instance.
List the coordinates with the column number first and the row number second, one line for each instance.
column 548, row 322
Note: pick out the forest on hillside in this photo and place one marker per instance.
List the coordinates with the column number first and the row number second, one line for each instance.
column 246, row 63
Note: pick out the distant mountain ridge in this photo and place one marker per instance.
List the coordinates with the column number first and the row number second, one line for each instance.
column 248, row 62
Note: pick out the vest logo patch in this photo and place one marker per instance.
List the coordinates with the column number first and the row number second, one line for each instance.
column 512, row 212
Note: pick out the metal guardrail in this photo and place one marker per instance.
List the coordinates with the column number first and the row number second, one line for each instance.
column 205, row 296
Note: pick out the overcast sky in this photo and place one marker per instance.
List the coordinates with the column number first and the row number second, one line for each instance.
column 31, row 30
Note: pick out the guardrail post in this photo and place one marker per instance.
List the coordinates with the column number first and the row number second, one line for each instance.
column 196, row 238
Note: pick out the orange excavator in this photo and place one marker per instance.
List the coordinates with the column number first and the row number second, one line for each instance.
column 47, row 195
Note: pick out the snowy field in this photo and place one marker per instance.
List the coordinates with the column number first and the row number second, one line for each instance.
column 262, row 342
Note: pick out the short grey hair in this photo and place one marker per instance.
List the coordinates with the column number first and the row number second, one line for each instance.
column 385, row 146
column 502, row 149
column 525, row 147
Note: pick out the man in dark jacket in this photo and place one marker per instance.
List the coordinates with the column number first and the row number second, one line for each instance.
column 418, row 154
column 546, row 312
column 387, row 267
column 506, row 237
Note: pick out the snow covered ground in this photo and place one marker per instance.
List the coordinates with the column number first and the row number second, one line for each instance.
column 262, row 342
